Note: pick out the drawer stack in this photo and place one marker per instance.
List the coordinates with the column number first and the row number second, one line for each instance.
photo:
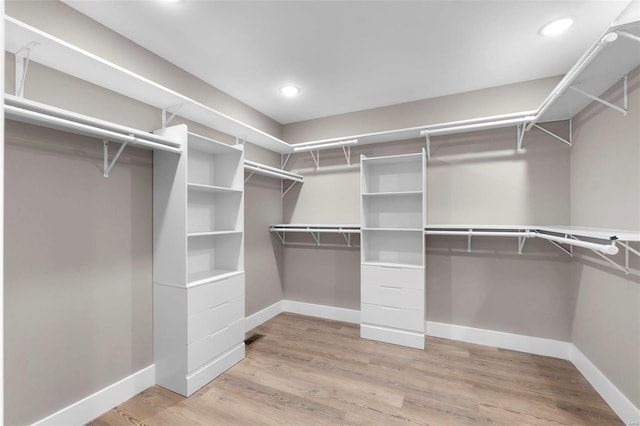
column 393, row 258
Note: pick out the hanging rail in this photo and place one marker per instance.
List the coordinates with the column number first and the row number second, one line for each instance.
column 54, row 118
column 315, row 230
column 261, row 169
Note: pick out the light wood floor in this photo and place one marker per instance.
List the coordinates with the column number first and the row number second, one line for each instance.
column 307, row 371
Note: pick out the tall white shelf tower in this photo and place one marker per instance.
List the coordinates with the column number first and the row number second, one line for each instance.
column 393, row 207
column 198, row 261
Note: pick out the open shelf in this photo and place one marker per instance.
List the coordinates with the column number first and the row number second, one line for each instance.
column 392, row 194
column 211, row 188
column 400, row 174
column 213, row 211
column 211, row 233
column 208, row 255
column 402, row 247
column 393, row 212
column 204, row 277
column 213, row 164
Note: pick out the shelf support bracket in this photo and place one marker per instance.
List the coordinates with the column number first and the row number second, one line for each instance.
column 621, row 268
column 316, row 237
column 469, row 241
column 316, row 158
column 628, row 35
column 284, row 159
column 568, row 252
column 108, row 166
column 347, row 237
column 428, row 145
column 628, row 249
column 347, row 154
column 168, row 114
column 22, row 65
column 521, row 242
column 281, row 237
column 602, row 101
column 520, row 138
column 561, row 139
column 284, row 191
column 249, row 177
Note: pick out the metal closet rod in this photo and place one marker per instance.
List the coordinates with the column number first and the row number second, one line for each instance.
column 44, row 120
column 311, row 146
column 272, row 171
column 460, row 128
column 49, row 110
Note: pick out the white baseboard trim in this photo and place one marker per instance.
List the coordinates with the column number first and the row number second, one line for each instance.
column 498, row 339
column 102, row 401
column 629, row 413
column 322, row 311
column 263, row 315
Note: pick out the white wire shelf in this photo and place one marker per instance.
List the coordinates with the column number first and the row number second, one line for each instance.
column 605, row 245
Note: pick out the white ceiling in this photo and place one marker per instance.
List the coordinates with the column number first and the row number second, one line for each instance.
column 354, row 55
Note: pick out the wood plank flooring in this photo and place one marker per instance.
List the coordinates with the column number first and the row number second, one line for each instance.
column 307, row 371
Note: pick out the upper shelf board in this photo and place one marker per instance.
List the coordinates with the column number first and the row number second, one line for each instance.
column 612, row 63
column 69, row 59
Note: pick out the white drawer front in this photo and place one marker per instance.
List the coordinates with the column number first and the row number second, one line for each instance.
column 211, row 347
column 393, row 296
column 400, row 277
column 203, row 297
column 214, row 319
column 404, row 319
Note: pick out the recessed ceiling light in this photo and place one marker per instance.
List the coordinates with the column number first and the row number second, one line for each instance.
column 556, row 27
column 289, row 90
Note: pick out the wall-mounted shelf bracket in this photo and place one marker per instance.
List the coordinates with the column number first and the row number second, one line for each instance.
column 428, row 144
column 623, row 109
column 520, row 137
column 628, row 249
column 628, row 35
column 169, row 113
column 284, row 159
column 22, row 65
column 561, row 139
column 284, row 191
column 619, row 267
column 521, row 242
column 241, row 140
column 109, row 165
column 347, row 154
column 568, row 251
column 469, row 242
column 316, row 158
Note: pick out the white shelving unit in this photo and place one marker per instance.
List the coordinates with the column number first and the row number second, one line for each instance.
column 392, row 254
column 198, row 261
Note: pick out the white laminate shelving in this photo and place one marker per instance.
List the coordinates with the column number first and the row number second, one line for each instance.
column 198, row 267
column 392, row 249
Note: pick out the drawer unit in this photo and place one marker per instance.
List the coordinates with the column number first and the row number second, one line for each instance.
column 214, row 345
column 205, row 296
column 410, row 278
column 392, row 295
column 211, row 320
column 404, row 319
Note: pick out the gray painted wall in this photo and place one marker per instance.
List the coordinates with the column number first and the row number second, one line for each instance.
column 263, row 252
column 605, row 192
column 78, row 253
